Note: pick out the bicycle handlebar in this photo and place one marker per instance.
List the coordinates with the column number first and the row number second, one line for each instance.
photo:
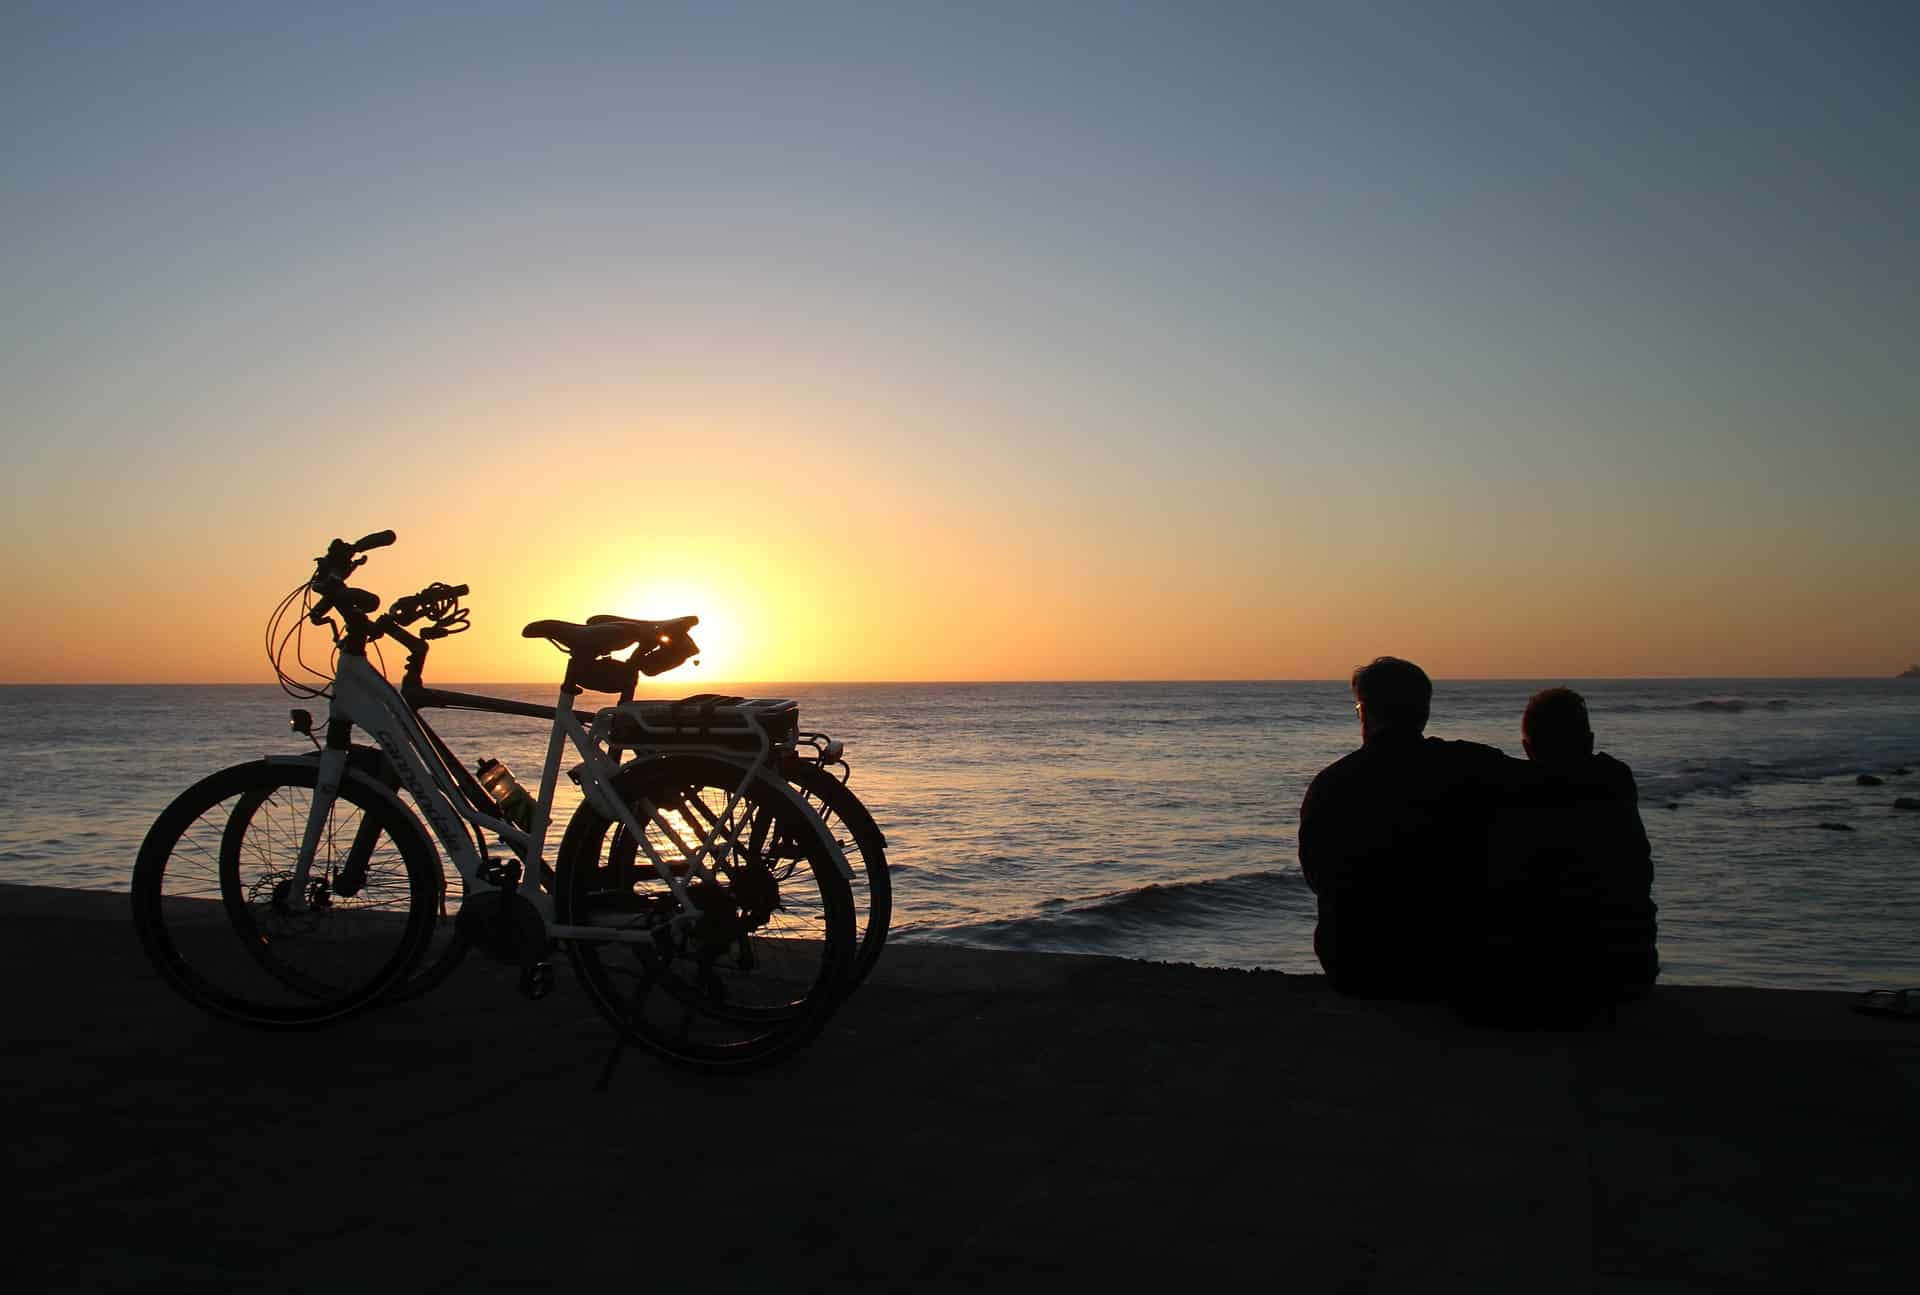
column 335, row 595
column 435, row 600
column 342, row 557
column 330, row 571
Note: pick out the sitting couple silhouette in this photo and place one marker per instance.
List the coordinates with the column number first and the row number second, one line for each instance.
column 1521, row 889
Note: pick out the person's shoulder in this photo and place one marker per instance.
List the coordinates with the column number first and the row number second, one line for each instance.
column 1486, row 768
column 1614, row 775
column 1473, row 755
column 1346, row 772
column 1593, row 780
column 1342, row 767
column 1460, row 746
column 1611, row 766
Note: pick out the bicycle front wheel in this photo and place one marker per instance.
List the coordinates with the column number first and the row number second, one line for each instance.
column 214, row 907
column 760, row 966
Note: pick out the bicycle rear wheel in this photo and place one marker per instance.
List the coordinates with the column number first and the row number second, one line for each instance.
column 865, row 847
column 211, row 896
column 764, row 965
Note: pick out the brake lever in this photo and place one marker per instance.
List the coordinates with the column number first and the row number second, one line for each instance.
column 448, row 625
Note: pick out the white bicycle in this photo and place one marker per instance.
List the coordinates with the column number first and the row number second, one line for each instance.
column 704, row 906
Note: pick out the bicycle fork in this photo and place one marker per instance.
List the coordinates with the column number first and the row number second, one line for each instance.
column 326, row 790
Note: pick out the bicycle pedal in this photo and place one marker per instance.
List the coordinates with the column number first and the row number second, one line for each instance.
column 536, row 980
column 504, row 874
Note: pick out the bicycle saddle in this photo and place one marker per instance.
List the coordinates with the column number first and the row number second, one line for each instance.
column 605, row 634
column 678, row 625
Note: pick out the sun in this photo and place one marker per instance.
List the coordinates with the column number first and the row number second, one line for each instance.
column 666, row 600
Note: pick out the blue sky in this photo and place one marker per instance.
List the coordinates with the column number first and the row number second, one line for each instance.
column 1227, row 306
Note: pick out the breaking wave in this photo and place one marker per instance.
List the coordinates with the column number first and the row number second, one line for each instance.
column 1703, row 705
column 1730, row 774
column 1138, row 922
column 1734, row 705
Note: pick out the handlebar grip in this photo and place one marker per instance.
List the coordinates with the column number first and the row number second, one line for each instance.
column 436, row 598
column 377, row 540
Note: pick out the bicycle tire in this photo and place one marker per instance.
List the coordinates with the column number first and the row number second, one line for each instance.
column 445, row 947
column 209, row 897
column 446, row 950
column 852, row 826
column 767, row 964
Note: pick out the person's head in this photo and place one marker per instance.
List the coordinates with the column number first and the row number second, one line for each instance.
column 1391, row 695
column 1555, row 729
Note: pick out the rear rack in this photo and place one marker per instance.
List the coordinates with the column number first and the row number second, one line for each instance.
column 707, row 719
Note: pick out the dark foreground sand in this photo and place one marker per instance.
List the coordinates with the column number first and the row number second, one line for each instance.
column 969, row 1121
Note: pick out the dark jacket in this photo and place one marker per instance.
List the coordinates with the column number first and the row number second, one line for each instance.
column 1393, row 840
column 1570, row 904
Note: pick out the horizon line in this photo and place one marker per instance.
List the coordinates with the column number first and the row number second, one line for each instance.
column 951, row 683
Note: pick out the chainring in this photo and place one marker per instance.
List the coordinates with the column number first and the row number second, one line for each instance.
column 504, row 927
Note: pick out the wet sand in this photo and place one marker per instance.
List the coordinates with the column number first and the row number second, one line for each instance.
column 968, row 1121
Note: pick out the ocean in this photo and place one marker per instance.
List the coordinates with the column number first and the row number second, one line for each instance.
column 1156, row 820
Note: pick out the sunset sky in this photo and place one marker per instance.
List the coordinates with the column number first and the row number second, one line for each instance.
column 970, row 341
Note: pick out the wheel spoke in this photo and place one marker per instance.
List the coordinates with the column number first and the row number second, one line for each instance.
column 214, row 901
column 756, row 967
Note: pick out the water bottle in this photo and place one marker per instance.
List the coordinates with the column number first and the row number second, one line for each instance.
column 516, row 806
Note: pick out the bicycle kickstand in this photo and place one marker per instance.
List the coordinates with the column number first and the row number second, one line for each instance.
column 613, row 1058
column 620, row 1040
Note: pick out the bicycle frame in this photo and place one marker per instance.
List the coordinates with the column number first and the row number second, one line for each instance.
column 363, row 698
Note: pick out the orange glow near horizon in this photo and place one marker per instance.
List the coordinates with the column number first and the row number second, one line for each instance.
column 917, row 596
column 948, row 561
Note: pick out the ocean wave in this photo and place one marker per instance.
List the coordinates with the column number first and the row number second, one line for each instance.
column 1118, row 921
column 1731, row 774
column 1733, row 705
column 1703, row 705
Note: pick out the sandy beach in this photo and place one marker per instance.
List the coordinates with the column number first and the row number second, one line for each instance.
column 968, row 1120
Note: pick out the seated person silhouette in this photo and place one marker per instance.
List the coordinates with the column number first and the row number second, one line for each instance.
column 1570, row 910
column 1393, row 840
